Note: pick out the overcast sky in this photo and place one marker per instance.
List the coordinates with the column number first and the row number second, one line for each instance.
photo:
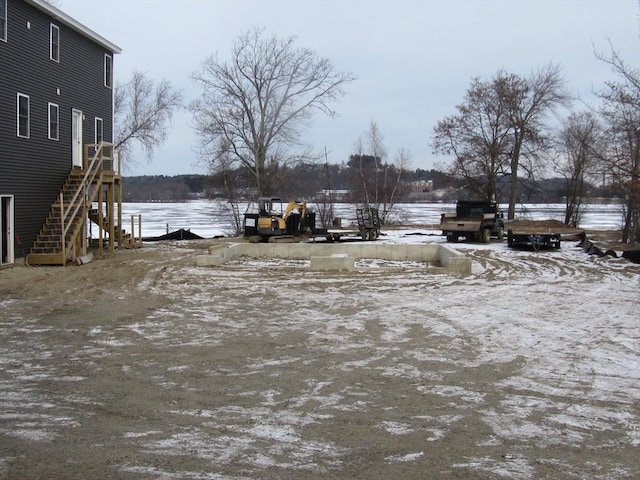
column 413, row 60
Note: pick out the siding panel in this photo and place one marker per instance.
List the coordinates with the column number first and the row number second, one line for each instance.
column 34, row 169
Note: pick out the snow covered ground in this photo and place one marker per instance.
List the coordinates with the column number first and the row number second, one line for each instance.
column 149, row 367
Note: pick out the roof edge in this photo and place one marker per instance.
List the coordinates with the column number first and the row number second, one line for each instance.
column 58, row 14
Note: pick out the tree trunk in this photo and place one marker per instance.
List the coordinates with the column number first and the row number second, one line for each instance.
column 515, row 162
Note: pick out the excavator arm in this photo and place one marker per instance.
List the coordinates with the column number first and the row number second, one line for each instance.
column 301, row 207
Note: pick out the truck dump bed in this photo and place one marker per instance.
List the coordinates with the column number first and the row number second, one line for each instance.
column 453, row 223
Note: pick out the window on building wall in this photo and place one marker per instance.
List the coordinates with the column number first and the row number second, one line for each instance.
column 99, row 130
column 3, row 20
column 107, row 71
column 54, row 49
column 54, row 122
column 23, row 116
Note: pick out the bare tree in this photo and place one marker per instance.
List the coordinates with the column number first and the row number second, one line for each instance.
column 143, row 111
column 375, row 143
column 478, row 138
column 361, row 165
column 500, row 128
column 367, row 165
column 621, row 113
column 376, row 181
column 579, row 143
column 529, row 102
column 325, row 202
column 260, row 100
column 230, row 183
column 392, row 178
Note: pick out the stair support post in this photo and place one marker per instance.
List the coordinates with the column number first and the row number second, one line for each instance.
column 118, row 179
column 83, row 241
column 63, row 240
column 100, row 223
column 111, row 216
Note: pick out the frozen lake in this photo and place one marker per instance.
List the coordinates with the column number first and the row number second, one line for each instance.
column 211, row 218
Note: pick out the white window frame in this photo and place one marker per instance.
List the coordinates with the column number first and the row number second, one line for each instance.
column 57, row 121
column 100, row 138
column 54, row 48
column 3, row 21
column 108, row 70
column 18, row 117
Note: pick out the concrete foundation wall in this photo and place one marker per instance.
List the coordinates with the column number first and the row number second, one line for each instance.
column 339, row 256
column 453, row 260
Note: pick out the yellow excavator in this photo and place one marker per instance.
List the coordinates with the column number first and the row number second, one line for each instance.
column 273, row 221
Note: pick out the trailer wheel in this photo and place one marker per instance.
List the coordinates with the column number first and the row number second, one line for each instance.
column 486, row 235
column 452, row 237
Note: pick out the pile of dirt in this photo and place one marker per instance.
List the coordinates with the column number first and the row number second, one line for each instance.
column 541, row 226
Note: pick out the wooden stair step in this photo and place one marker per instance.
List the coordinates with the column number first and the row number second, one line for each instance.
column 45, row 259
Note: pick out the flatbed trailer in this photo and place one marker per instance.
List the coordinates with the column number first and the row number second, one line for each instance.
column 534, row 238
column 368, row 227
column 539, row 233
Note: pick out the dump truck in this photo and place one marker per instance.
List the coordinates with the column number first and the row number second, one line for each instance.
column 474, row 220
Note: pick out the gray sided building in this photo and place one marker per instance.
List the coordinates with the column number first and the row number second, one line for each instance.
column 56, row 94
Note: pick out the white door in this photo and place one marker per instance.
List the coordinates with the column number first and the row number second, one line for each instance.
column 6, row 229
column 76, row 138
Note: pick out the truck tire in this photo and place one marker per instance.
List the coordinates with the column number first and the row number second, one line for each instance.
column 486, row 235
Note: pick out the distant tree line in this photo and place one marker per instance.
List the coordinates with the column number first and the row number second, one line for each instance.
column 304, row 182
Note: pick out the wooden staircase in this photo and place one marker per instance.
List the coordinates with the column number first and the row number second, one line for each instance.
column 63, row 238
column 121, row 237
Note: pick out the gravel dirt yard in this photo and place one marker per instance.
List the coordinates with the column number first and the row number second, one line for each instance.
column 144, row 366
